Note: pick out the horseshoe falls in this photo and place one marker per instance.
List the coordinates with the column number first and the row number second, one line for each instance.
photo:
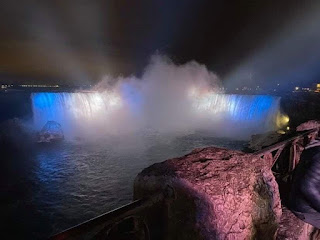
column 107, row 112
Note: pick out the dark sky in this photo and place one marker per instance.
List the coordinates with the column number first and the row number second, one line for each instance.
column 78, row 41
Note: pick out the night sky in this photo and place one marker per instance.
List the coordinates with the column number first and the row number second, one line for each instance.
column 244, row 42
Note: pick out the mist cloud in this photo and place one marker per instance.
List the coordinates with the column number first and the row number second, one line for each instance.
column 167, row 99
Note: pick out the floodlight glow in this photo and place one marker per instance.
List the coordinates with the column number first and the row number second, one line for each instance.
column 282, row 120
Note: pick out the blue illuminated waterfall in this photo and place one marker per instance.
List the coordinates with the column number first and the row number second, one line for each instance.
column 73, row 111
column 104, row 111
column 240, row 108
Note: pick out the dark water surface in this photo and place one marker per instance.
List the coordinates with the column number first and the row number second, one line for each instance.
column 50, row 188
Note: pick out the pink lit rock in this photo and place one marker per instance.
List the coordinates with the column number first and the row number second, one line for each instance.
column 220, row 194
column 312, row 124
column 292, row 228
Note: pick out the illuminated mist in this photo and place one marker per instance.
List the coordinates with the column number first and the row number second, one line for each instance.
column 167, row 99
column 289, row 58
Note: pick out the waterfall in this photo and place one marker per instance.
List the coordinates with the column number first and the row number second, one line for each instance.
column 72, row 110
column 105, row 111
column 249, row 114
column 240, row 108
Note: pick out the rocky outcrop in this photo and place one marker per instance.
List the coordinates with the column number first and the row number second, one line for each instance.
column 260, row 141
column 51, row 132
column 301, row 107
column 312, row 124
column 292, row 228
column 219, row 194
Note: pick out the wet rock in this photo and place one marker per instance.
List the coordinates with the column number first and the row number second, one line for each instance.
column 220, row 194
column 51, row 132
column 312, row 124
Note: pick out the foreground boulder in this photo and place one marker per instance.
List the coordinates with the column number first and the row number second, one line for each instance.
column 219, row 194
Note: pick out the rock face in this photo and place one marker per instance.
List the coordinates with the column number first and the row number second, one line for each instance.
column 260, row 141
column 51, row 132
column 312, row 124
column 292, row 228
column 220, row 194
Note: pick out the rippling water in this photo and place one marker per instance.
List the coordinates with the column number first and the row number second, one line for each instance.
column 56, row 187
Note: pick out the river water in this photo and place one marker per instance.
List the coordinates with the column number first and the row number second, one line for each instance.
column 54, row 187
column 47, row 188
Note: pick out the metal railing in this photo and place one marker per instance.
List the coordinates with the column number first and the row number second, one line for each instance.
column 296, row 143
column 101, row 226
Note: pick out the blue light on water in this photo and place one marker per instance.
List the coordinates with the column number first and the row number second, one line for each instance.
column 251, row 108
column 47, row 107
column 246, row 114
column 43, row 100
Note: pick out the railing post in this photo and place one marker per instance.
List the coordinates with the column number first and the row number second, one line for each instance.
column 99, row 227
column 293, row 155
